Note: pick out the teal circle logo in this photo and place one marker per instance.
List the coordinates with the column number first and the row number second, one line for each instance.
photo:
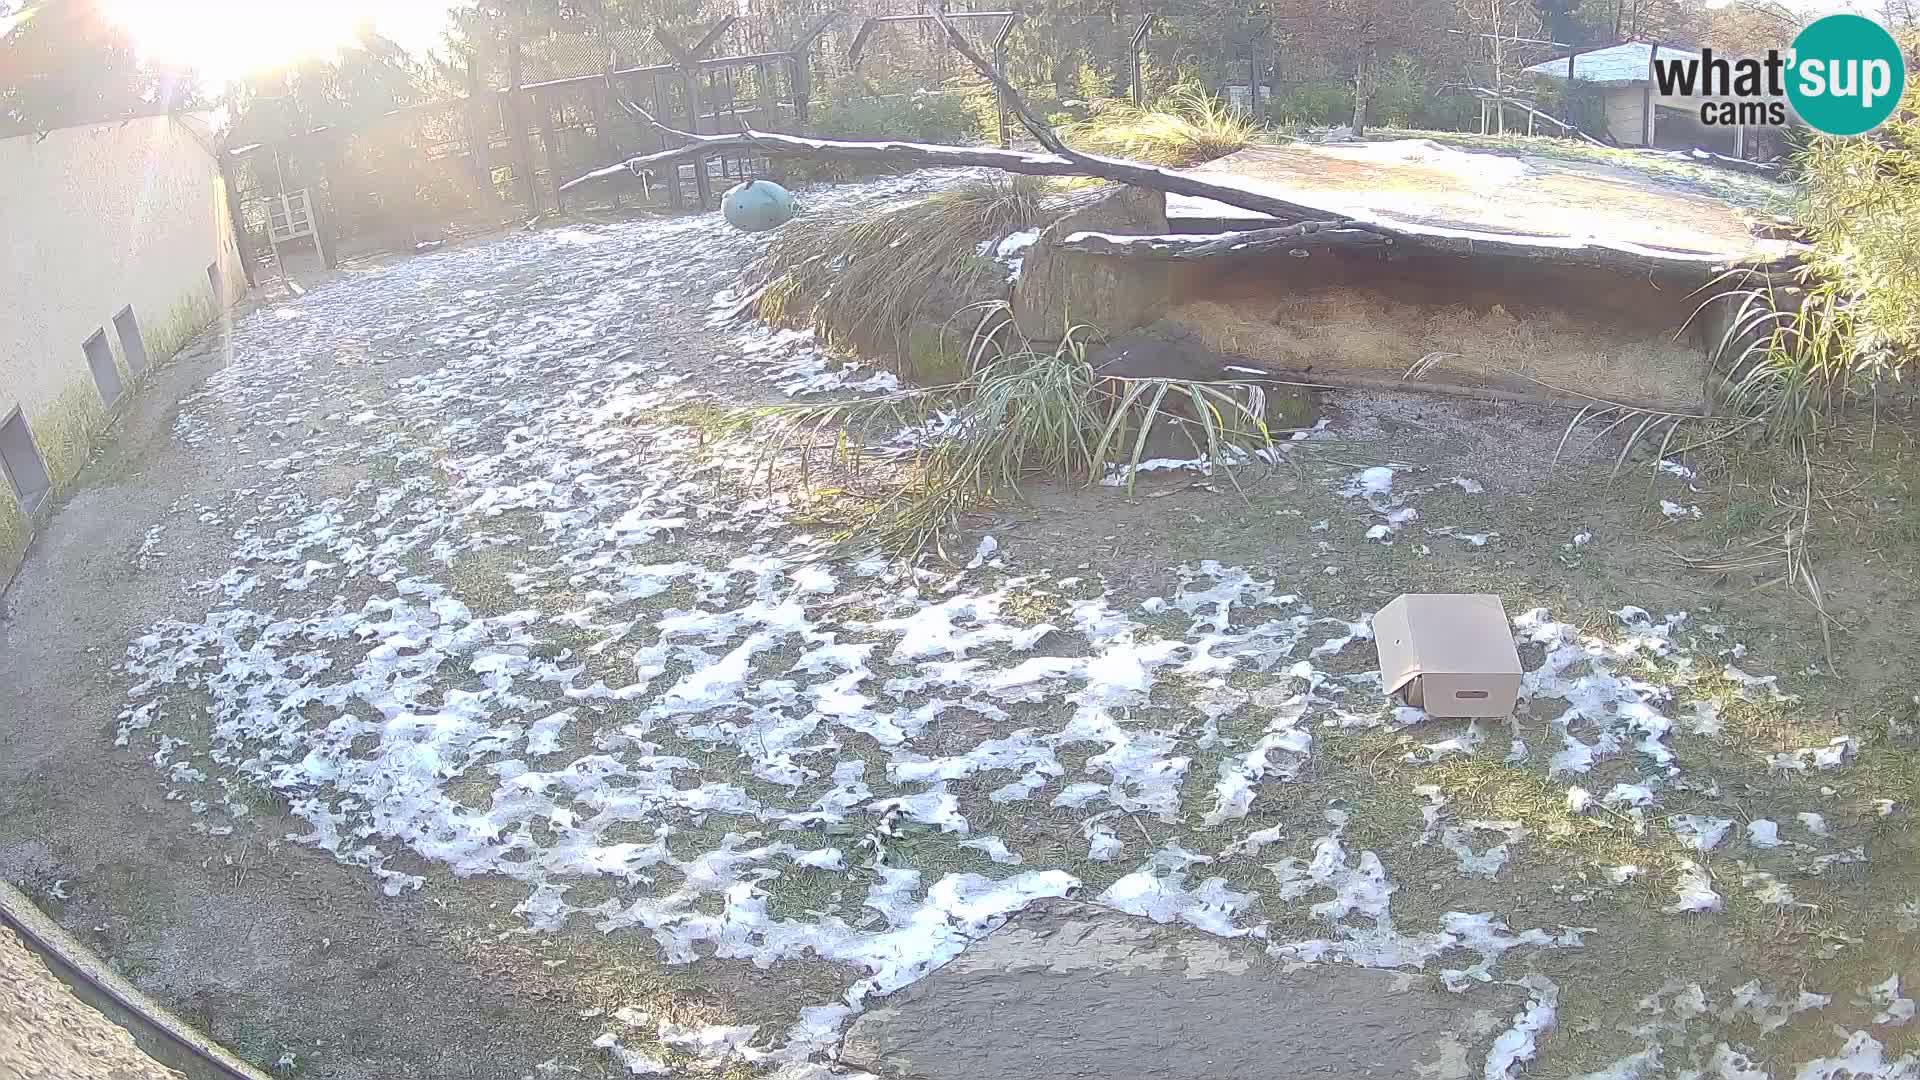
column 1846, row 75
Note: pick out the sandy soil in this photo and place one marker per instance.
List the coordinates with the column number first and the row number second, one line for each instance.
column 48, row 1034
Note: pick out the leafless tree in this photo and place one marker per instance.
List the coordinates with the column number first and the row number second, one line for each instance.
column 1495, row 28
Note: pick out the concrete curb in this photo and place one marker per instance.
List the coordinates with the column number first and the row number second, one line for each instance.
column 156, row 1031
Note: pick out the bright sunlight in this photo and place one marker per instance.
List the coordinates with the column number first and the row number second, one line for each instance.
column 224, row 40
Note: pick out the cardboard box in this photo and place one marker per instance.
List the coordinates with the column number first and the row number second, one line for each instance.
column 1451, row 654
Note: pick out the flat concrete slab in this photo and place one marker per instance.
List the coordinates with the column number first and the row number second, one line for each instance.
column 1067, row 990
column 1422, row 185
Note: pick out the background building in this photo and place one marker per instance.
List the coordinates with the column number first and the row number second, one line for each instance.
column 1636, row 112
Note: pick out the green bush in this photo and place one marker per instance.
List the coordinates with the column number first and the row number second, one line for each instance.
column 1861, row 198
column 1045, row 99
column 1093, row 84
column 1405, row 98
column 1797, row 353
column 940, row 116
column 1312, row 103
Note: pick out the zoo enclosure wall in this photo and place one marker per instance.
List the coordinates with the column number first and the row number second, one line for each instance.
column 119, row 230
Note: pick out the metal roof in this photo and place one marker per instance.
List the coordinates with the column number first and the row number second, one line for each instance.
column 1615, row 65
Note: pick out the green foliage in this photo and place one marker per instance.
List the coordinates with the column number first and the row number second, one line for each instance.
column 1804, row 352
column 1189, row 127
column 1862, row 201
column 1406, row 98
column 1312, row 104
column 1156, row 81
column 984, row 106
column 1801, row 360
column 941, row 116
column 1093, row 84
column 1022, row 413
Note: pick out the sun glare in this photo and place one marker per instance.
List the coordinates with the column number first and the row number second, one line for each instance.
column 224, row 40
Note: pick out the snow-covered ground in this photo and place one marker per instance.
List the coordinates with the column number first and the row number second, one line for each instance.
column 553, row 633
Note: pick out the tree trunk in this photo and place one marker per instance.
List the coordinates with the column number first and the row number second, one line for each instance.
column 1364, row 77
column 1499, row 73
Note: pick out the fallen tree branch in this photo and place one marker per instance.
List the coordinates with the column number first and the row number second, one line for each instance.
column 1307, row 234
column 1058, row 159
column 1351, row 234
column 1495, row 95
column 934, row 155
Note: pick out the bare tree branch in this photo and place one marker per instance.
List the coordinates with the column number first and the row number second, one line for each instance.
column 1291, row 238
column 1038, row 128
column 633, row 109
column 933, row 155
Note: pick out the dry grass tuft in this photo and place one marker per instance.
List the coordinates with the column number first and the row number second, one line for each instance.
column 1023, row 412
column 1193, row 127
column 870, row 281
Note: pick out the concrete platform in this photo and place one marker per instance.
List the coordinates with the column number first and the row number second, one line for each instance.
column 1068, row 990
column 1423, row 185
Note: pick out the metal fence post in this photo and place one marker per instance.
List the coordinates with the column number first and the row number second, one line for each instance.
column 516, row 121
column 1133, row 60
column 1000, row 69
column 1646, row 97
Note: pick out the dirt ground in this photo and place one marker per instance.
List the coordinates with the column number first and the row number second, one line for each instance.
column 263, row 945
column 1423, row 182
column 526, row 424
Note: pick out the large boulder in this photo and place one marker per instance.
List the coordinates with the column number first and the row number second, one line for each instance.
column 1060, row 289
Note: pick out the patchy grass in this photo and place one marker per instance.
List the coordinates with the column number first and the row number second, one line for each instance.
column 1131, row 544
column 1024, row 413
column 713, row 421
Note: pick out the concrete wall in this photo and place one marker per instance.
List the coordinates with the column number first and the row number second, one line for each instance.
column 94, row 219
column 1626, row 117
